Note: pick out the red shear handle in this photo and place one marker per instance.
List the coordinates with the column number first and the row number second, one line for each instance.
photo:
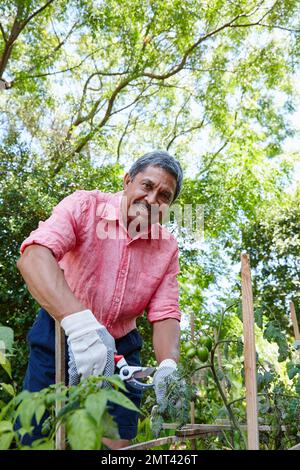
column 118, row 357
column 120, row 361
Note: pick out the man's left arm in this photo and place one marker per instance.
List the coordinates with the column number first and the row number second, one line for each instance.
column 166, row 337
column 163, row 312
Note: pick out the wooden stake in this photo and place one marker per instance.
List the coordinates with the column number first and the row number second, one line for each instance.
column 193, row 403
column 249, row 355
column 294, row 321
column 295, row 327
column 60, row 377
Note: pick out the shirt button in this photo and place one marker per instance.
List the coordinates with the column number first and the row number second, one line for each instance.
column 117, row 300
column 123, row 272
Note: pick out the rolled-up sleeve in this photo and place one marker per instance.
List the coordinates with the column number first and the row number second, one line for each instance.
column 165, row 302
column 60, row 231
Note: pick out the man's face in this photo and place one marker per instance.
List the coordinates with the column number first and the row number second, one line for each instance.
column 154, row 188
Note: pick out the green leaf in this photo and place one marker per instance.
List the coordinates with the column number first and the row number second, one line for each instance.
column 6, row 426
column 5, row 440
column 156, row 423
column 82, row 432
column 71, row 406
column 26, row 412
column 42, row 444
column 95, row 405
column 51, row 398
column 273, row 333
column 120, row 399
column 297, row 388
column 7, row 336
column 292, row 370
column 39, row 412
column 115, row 380
column 260, row 381
column 4, row 362
column 268, row 377
column 8, row 388
column 110, row 427
column 226, row 350
column 240, row 347
column 258, row 315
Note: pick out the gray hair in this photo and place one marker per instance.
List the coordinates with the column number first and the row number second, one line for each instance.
column 163, row 160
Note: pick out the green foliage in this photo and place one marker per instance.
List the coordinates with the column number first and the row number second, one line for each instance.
column 273, row 333
column 6, row 338
column 221, row 387
column 84, row 413
column 93, row 85
column 272, row 240
column 113, row 77
column 175, row 406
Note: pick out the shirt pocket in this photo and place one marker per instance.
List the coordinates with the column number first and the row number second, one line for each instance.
column 145, row 289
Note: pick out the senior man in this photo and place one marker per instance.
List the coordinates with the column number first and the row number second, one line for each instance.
column 95, row 265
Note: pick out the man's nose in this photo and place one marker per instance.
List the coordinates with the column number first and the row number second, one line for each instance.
column 151, row 198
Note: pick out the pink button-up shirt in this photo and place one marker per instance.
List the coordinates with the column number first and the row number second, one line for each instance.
column 113, row 275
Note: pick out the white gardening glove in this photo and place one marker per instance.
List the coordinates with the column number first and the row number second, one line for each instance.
column 91, row 347
column 165, row 368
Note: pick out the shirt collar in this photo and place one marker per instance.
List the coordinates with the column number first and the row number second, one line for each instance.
column 112, row 207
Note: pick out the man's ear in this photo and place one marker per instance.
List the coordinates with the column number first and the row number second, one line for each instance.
column 126, row 180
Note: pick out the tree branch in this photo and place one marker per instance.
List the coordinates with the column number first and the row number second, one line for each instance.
column 176, row 120
column 186, row 131
column 137, row 99
column 59, row 46
column 35, row 13
column 81, row 118
column 189, row 51
column 124, row 134
column 17, row 28
column 95, row 109
column 134, row 75
column 13, row 35
column 69, row 69
column 3, row 33
column 84, row 140
column 214, row 156
column 276, row 26
column 229, row 24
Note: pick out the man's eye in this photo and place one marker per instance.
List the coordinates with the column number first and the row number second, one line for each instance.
column 147, row 185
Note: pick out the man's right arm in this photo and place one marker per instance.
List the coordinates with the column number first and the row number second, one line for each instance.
column 88, row 340
column 46, row 283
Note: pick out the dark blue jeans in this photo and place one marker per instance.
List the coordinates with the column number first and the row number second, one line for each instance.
column 41, row 371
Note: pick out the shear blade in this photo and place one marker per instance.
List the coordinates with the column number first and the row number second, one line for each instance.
column 141, row 374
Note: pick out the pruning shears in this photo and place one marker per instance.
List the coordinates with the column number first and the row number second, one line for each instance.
column 130, row 374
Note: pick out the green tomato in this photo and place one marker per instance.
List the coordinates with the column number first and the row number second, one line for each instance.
column 188, row 345
column 206, row 341
column 191, row 353
column 202, row 353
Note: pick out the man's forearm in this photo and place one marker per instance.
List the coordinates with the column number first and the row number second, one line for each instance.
column 46, row 282
column 166, row 337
